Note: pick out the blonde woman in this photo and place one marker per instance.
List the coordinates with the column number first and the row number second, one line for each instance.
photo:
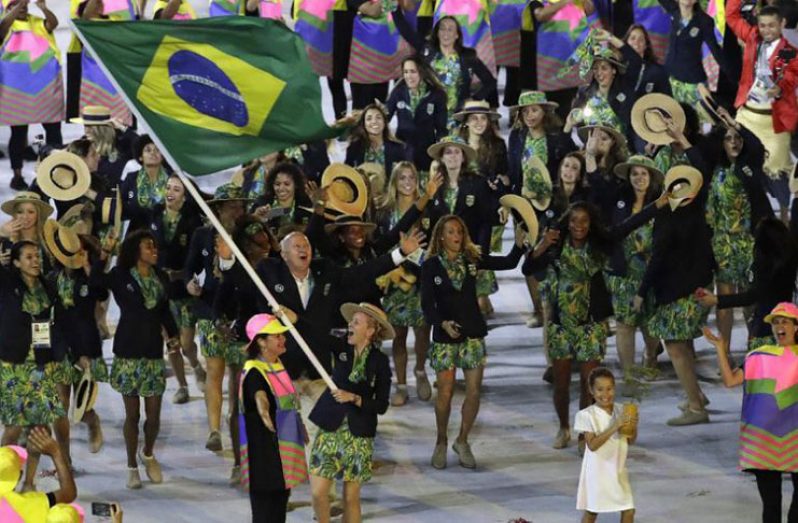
column 28, row 213
column 449, row 301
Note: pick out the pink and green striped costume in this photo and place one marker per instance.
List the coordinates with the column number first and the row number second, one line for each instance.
column 290, row 430
column 769, row 428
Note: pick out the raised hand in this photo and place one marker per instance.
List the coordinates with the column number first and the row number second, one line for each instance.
column 408, row 243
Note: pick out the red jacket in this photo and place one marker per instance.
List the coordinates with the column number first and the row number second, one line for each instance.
column 785, row 70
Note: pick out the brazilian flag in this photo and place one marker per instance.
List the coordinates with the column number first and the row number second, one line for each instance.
column 217, row 92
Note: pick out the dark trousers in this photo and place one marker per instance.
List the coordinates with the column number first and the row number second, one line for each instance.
column 512, row 87
column 268, row 506
column 769, row 484
column 364, row 94
column 19, row 140
column 338, row 93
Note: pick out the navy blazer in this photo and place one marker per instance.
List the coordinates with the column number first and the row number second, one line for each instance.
column 394, row 152
column 138, row 334
column 77, row 330
column 442, row 302
column 476, row 205
column 111, row 171
column 15, row 324
column 201, row 255
column 652, row 78
column 172, row 254
column 328, row 414
column 558, row 144
column 684, row 60
column 132, row 210
column 421, row 128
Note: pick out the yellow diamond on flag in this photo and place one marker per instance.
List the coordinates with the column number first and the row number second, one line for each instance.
column 199, row 85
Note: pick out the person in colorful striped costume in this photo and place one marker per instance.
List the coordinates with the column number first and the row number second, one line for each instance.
column 31, row 88
column 272, row 434
column 769, row 421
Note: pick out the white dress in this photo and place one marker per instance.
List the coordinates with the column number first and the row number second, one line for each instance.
column 603, row 482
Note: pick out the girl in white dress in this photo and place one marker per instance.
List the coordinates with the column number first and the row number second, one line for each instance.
column 604, row 482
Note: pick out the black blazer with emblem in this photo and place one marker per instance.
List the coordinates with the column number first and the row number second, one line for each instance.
column 172, row 255
column 201, row 256
column 394, row 152
column 138, row 334
column 476, row 205
column 442, row 302
column 77, row 332
column 328, row 414
column 332, row 286
column 421, row 128
column 15, row 324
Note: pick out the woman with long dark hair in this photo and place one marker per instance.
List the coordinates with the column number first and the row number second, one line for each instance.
column 652, row 77
column 142, row 190
column 372, row 141
column 138, row 370
column 284, row 188
column 418, row 101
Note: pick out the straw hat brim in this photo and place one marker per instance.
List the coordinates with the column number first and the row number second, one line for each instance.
column 435, row 151
column 622, row 171
column 85, row 396
column 349, row 309
column 332, row 227
column 116, row 219
column 67, row 260
column 73, row 162
column 462, row 115
column 524, row 208
column 694, row 179
column 9, row 206
column 341, row 173
column 80, row 226
column 656, row 102
column 585, row 129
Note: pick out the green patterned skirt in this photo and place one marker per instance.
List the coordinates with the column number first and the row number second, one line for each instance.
column 467, row 355
column 183, row 312
column 341, row 455
column 28, row 395
column 735, row 256
column 403, row 307
column 582, row 343
column 486, row 283
column 678, row 320
column 623, row 291
column 67, row 373
column 214, row 345
column 138, row 377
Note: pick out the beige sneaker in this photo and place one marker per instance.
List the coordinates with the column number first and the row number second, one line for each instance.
column 214, row 442
column 152, row 468
column 423, row 388
column 563, row 439
column 181, row 396
column 439, row 456
column 235, row 476
column 133, row 478
column 399, row 397
column 689, row 417
column 463, row 451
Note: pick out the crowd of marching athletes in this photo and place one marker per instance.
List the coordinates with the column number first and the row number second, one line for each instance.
column 643, row 144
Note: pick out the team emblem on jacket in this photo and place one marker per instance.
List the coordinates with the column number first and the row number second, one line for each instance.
column 84, row 291
column 621, row 97
column 470, row 200
column 549, row 213
column 130, row 288
column 205, row 252
column 401, row 104
column 327, row 287
column 747, row 170
column 279, row 288
column 694, row 32
column 472, row 269
column 430, row 109
column 130, row 195
column 342, row 356
column 184, row 239
column 425, row 223
column 438, row 280
column 649, row 87
column 621, row 204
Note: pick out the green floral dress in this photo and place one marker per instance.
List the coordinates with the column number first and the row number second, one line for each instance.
column 637, row 251
column 450, row 75
column 28, row 393
column 573, row 335
column 678, row 320
column 729, row 216
column 471, row 353
column 341, row 455
column 70, row 374
column 403, row 307
column 149, row 193
column 666, row 158
column 141, row 376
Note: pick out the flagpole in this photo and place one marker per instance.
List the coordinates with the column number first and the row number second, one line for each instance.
column 239, row 256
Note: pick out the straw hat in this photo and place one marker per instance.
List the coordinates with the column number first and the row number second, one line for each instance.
column 63, row 176
column 649, row 114
column 78, row 218
column 476, row 107
column 94, row 115
column 12, row 459
column 683, row 183
column 263, row 324
column 347, row 192
column 386, row 329
column 111, row 211
column 538, row 202
column 346, row 220
column 10, row 206
column 375, row 173
column 783, row 310
column 85, row 396
column 64, row 244
column 435, row 151
column 528, row 98
column 608, row 55
column 521, row 208
column 622, row 169
column 585, row 130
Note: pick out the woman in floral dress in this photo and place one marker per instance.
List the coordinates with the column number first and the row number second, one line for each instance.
column 138, row 370
column 142, row 190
